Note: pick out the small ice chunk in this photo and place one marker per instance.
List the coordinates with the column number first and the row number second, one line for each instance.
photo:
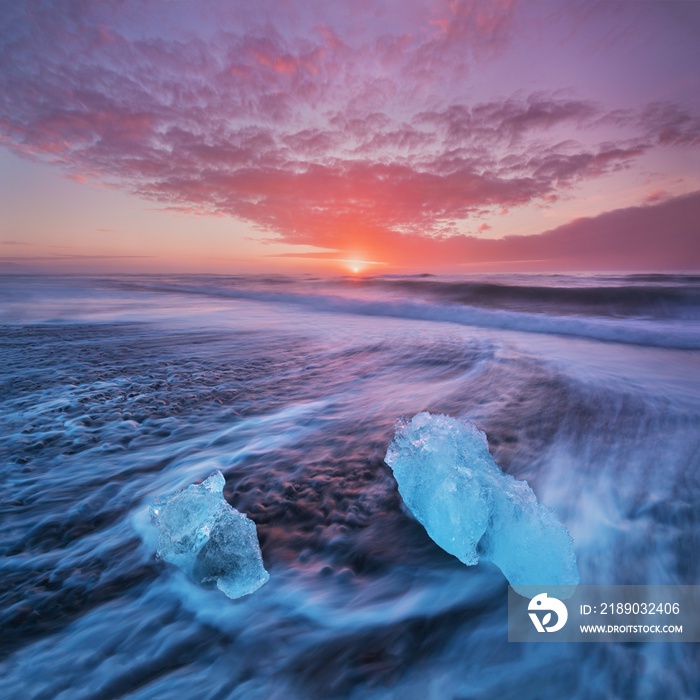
column 473, row 510
column 209, row 540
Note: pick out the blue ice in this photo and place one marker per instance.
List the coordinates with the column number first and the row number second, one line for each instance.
column 473, row 510
column 210, row 541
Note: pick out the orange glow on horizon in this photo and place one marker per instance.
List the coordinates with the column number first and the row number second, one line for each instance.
column 357, row 266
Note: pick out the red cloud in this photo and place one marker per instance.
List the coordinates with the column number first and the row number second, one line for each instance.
column 314, row 137
column 621, row 240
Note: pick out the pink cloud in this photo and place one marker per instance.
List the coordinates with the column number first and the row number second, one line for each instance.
column 620, row 240
column 656, row 196
column 318, row 133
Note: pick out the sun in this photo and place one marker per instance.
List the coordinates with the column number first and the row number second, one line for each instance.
column 354, row 266
column 357, row 265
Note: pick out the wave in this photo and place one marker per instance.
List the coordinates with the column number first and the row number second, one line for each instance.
column 660, row 298
column 665, row 332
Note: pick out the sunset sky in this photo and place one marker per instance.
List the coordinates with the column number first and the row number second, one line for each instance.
column 323, row 136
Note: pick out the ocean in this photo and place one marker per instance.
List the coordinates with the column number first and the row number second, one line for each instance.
column 118, row 389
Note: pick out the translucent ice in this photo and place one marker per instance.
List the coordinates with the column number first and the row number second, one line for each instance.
column 469, row 507
column 209, row 540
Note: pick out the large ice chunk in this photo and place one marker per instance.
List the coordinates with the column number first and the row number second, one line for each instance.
column 473, row 510
column 209, row 540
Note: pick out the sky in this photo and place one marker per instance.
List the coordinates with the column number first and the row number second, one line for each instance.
column 369, row 137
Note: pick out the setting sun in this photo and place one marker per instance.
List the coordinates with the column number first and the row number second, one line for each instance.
column 356, row 265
